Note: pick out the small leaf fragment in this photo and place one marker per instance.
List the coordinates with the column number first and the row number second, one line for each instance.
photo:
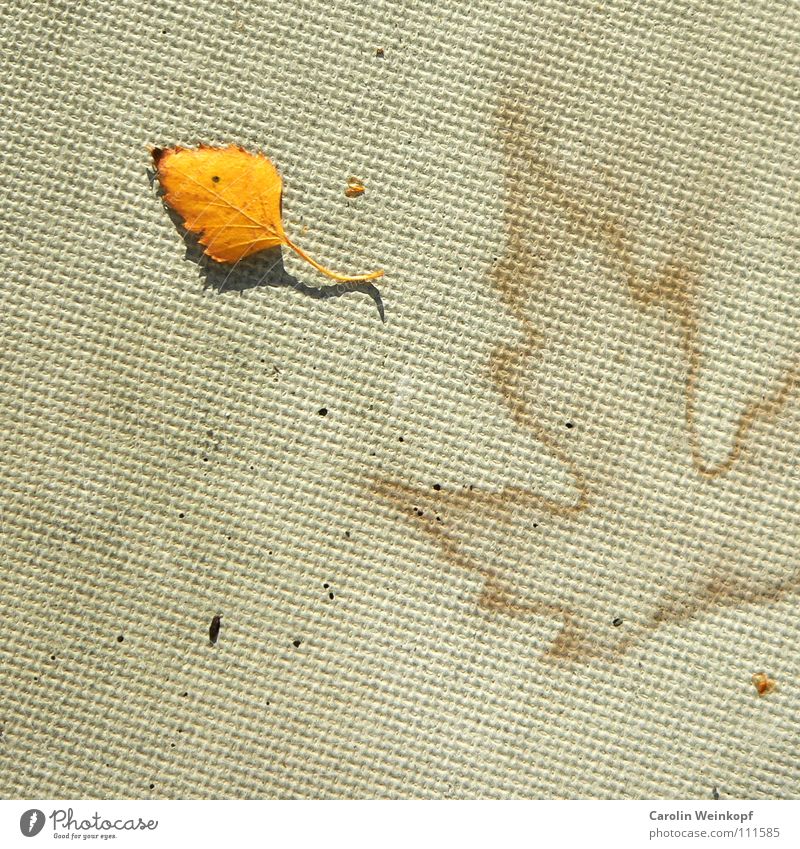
column 763, row 683
column 355, row 188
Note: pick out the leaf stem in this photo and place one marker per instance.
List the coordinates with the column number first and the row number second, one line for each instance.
column 342, row 278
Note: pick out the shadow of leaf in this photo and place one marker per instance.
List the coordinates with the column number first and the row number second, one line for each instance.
column 265, row 268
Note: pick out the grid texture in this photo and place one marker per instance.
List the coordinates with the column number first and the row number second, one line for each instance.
column 546, row 528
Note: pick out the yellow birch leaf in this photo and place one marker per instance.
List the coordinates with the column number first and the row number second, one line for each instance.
column 231, row 199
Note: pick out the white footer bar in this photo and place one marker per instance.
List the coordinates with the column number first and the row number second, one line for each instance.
column 406, row 824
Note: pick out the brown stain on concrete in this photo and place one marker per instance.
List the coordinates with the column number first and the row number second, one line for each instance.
column 673, row 291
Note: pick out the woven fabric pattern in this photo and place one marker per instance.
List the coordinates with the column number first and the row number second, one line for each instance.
column 529, row 537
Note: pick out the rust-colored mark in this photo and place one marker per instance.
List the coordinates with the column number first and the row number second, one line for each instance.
column 707, row 545
column 673, row 290
column 763, row 683
column 355, row 188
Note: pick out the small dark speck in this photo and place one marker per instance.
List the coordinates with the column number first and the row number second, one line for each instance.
column 52, row 657
column 210, row 432
column 184, row 694
column 569, row 424
column 418, row 511
column 437, row 486
column 163, row 32
column 268, row 702
column 400, row 439
column 215, row 179
column 152, row 786
column 296, row 643
column 347, row 534
column 715, row 793
column 120, row 639
column 617, row 622
column 379, row 53
column 330, row 596
column 172, row 745
column 213, row 630
column 181, row 515
column 323, row 411
column 205, row 459
column 325, row 586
